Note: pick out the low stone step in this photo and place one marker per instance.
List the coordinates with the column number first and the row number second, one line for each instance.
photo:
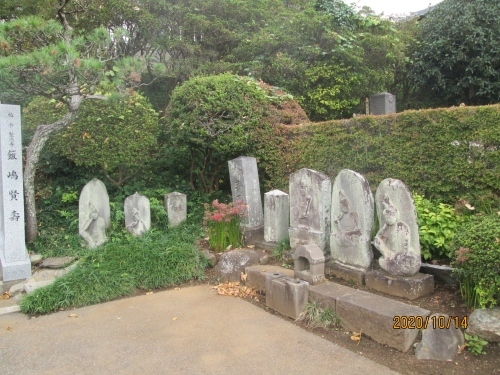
column 380, row 318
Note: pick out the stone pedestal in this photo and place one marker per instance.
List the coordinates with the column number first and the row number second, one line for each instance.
column 349, row 274
column 245, row 187
column 176, row 207
column 309, row 264
column 286, row 295
column 14, row 260
column 410, row 287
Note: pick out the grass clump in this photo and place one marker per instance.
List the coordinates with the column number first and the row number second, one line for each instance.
column 316, row 316
column 116, row 269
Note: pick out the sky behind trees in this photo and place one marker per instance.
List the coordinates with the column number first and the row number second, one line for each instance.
column 394, row 6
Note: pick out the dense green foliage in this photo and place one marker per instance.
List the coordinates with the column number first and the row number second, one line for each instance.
column 437, row 225
column 116, row 269
column 443, row 154
column 117, row 135
column 477, row 260
column 212, row 120
column 456, row 59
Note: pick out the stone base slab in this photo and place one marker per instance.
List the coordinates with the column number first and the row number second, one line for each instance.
column 267, row 246
column 326, row 294
column 286, row 295
column 252, row 235
column 256, row 275
column 411, row 287
column 441, row 273
column 344, row 273
column 11, row 271
column 376, row 317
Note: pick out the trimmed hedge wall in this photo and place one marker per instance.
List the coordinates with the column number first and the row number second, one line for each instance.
column 444, row 154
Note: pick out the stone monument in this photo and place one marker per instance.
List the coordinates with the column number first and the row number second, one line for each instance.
column 14, row 259
column 93, row 213
column 310, row 201
column 352, row 224
column 137, row 214
column 382, row 103
column 398, row 242
column 276, row 216
column 245, row 187
column 176, row 207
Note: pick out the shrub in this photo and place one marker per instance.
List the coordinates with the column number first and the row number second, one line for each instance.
column 477, row 260
column 437, row 225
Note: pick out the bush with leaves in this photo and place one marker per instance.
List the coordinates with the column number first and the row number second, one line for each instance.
column 477, row 260
column 116, row 135
column 437, row 225
column 212, row 119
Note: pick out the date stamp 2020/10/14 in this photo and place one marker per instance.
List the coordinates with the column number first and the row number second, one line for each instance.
column 436, row 322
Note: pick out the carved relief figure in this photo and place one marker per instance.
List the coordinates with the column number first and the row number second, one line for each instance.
column 393, row 242
column 93, row 229
column 137, row 227
column 305, row 205
column 348, row 231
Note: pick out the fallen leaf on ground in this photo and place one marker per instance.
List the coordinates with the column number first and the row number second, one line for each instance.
column 9, row 328
column 6, row 295
column 174, row 318
column 235, row 289
column 148, row 293
column 177, row 288
column 72, row 316
column 251, row 246
column 243, row 277
column 229, row 247
column 461, row 348
column 356, row 336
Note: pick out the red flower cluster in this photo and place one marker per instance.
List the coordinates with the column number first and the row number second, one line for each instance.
column 220, row 212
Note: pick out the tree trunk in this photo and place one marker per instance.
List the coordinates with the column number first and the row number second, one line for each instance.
column 42, row 134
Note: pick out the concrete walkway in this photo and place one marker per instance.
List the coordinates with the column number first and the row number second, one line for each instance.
column 187, row 331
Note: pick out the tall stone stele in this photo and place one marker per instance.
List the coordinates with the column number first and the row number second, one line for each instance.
column 94, row 213
column 310, row 203
column 176, row 207
column 352, row 221
column 245, row 187
column 137, row 214
column 276, row 216
column 397, row 239
column 14, row 260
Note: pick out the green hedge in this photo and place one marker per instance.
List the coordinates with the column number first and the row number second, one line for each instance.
column 444, row 154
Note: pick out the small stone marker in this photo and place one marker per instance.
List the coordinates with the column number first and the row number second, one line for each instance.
column 245, row 187
column 397, row 240
column 276, row 216
column 310, row 203
column 14, row 259
column 286, row 295
column 309, row 264
column 438, row 341
column 176, row 207
column 382, row 103
column 352, row 221
column 94, row 213
column 137, row 214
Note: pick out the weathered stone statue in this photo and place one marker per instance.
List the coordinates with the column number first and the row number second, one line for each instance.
column 93, row 213
column 93, row 229
column 397, row 240
column 137, row 214
column 310, row 201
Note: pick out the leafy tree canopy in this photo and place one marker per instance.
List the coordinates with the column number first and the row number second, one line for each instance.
column 458, row 57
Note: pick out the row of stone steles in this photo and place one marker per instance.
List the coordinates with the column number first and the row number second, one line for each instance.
column 339, row 220
column 94, row 212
